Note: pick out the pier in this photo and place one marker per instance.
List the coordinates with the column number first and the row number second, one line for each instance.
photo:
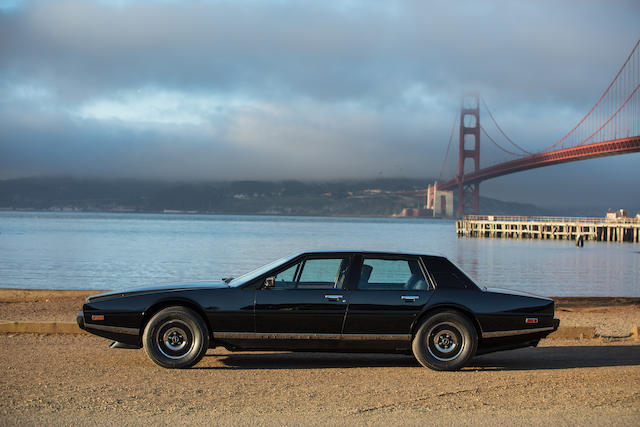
column 550, row 227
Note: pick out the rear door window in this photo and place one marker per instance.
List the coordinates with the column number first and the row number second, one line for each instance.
column 391, row 274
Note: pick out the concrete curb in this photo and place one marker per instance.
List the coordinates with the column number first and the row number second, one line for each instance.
column 574, row 332
column 40, row 327
column 30, row 295
column 564, row 332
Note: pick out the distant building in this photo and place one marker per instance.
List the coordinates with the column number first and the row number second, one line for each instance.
column 620, row 213
column 440, row 202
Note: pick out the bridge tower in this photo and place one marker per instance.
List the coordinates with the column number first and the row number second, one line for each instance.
column 469, row 194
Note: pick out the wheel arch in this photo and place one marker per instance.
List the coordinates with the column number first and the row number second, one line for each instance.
column 183, row 302
column 447, row 307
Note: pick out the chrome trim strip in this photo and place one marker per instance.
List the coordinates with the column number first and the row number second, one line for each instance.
column 310, row 336
column 376, row 337
column 275, row 336
column 498, row 334
column 115, row 329
column 427, row 276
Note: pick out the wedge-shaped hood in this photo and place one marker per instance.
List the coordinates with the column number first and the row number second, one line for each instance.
column 157, row 288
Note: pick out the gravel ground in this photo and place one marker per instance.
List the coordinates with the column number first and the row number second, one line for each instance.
column 77, row 379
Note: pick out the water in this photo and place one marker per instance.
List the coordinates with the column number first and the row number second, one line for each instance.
column 118, row 251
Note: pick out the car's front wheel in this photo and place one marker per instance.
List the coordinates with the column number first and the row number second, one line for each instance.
column 176, row 337
column 445, row 341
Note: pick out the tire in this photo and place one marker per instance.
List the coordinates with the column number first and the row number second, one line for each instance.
column 176, row 337
column 445, row 341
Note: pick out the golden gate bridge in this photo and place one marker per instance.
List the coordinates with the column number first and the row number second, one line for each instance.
column 611, row 127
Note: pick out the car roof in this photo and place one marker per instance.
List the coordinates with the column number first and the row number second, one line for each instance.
column 363, row 252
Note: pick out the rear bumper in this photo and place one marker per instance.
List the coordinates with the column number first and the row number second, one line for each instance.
column 543, row 331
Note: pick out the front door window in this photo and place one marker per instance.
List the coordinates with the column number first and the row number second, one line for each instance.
column 320, row 273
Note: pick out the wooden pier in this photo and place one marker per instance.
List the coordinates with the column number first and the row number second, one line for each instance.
column 550, row 227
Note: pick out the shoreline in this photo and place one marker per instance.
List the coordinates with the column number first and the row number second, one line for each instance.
column 175, row 212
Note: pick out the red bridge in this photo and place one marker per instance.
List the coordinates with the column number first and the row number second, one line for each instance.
column 610, row 127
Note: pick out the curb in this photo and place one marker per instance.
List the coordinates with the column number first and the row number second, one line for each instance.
column 30, row 295
column 41, row 328
column 574, row 332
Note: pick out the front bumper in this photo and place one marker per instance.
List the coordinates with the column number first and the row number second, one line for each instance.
column 80, row 320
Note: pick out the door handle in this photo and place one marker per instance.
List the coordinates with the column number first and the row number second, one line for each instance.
column 410, row 298
column 333, row 297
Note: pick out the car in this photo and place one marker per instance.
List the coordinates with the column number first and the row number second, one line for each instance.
column 332, row 301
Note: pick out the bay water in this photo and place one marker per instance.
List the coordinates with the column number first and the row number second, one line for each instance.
column 112, row 251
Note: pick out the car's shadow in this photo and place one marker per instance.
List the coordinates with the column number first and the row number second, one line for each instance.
column 303, row 360
column 561, row 357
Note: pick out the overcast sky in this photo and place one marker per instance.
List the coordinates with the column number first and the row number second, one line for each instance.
column 305, row 90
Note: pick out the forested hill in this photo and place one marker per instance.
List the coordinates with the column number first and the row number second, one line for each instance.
column 374, row 197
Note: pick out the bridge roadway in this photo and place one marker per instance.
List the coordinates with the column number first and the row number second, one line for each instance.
column 564, row 155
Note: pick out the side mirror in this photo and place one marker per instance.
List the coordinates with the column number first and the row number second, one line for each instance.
column 270, row 282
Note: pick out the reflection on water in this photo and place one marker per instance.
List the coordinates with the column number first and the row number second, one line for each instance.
column 117, row 251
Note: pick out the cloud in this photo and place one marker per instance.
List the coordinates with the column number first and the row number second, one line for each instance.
column 283, row 89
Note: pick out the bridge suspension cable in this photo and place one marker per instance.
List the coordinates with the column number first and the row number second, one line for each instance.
column 604, row 94
column 446, row 155
column 498, row 145
column 612, row 116
column 500, row 129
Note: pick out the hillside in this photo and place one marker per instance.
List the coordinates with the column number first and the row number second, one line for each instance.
column 374, row 197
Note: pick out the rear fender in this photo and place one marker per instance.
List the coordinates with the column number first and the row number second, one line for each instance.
column 430, row 311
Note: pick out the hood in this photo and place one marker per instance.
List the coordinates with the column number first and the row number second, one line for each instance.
column 158, row 288
column 513, row 292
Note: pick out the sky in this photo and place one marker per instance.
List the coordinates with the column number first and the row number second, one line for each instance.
column 308, row 90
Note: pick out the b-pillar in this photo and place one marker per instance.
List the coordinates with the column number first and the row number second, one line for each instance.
column 469, row 194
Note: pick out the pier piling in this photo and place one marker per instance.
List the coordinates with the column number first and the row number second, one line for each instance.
column 548, row 227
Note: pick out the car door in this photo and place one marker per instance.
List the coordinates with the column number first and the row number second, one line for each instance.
column 390, row 293
column 307, row 301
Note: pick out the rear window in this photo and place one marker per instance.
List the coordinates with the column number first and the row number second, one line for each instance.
column 447, row 275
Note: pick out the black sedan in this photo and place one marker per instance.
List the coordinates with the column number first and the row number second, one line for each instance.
column 353, row 301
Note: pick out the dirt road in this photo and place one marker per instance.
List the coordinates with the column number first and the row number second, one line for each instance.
column 76, row 379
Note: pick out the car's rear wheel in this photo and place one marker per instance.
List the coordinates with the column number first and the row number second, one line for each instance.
column 445, row 341
column 176, row 337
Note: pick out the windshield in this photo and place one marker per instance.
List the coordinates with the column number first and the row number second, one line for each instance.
column 247, row 277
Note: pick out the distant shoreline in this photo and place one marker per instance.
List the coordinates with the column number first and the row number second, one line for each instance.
column 172, row 212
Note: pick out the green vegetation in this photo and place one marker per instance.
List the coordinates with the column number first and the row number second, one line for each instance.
column 374, row 197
